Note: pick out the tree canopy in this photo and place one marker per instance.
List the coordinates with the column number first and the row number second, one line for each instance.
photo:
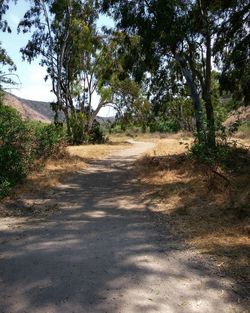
column 161, row 60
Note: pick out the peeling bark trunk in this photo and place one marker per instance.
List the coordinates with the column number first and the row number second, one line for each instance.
column 66, row 114
column 206, row 84
column 195, row 97
column 93, row 116
column 208, row 95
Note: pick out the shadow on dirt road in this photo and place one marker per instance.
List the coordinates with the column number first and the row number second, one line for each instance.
column 103, row 253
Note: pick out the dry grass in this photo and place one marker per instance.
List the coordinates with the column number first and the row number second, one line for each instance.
column 31, row 197
column 124, row 137
column 53, row 173
column 214, row 219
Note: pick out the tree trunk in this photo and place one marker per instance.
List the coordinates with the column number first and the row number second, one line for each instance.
column 66, row 114
column 206, row 86
column 195, row 98
column 208, row 95
column 94, row 114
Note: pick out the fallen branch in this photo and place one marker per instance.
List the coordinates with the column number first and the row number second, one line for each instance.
column 221, row 175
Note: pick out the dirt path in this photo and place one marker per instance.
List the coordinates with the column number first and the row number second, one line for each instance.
column 103, row 253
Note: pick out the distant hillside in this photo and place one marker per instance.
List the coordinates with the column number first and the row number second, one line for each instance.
column 33, row 110
column 242, row 114
column 38, row 110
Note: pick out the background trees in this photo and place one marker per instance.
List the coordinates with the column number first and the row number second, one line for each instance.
column 188, row 33
column 164, row 67
column 159, row 59
column 80, row 61
column 232, row 50
column 64, row 36
column 163, row 27
column 7, row 64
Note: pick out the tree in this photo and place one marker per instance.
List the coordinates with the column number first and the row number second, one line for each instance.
column 199, row 38
column 80, row 61
column 184, row 31
column 6, row 77
column 162, row 27
column 231, row 50
column 63, row 33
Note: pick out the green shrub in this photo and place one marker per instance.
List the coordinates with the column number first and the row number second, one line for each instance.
column 97, row 134
column 220, row 155
column 220, row 115
column 116, row 128
column 22, row 142
column 77, row 123
column 16, row 149
column 48, row 138
column 244, row 128
column 165, row 126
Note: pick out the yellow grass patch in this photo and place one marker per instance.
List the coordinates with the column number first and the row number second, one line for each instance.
column 54, row 171
column 214, row 220
column 33, row 196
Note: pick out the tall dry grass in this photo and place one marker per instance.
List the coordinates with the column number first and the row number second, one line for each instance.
column 213, row 218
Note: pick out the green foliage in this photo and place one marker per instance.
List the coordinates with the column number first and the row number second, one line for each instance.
column 79, row 134
column 6, row 75
column 165, row 126
column 48, row 138
column 15, row 149
column 220, row 115
column 22, row 142
column 116, row 128
column 77, row 122
column 220, row 155
column 220, row 109
column 97, row 134
column 232, row 49
column 244, row 129
column 232, row 104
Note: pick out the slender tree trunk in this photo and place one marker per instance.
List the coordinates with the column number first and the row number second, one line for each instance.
column 195, row 98
column 208, row 95
column 66, row 114
column 206, row 86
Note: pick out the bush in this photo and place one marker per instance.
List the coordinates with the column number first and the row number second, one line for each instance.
column 49, row 138
column 77, row 125
column 165, row 126
column 16, row 149
column 220, row 155
column 97, row 134
column 22, row 142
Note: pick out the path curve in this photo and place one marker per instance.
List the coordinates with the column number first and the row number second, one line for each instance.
column 103, row 253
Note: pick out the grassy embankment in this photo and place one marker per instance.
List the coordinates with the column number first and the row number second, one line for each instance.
column 206, row 211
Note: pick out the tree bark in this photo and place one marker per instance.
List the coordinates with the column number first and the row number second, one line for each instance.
column 195, row 98
column 66, row 114
column 208, row 95
column 206, row 86
column 94, row 114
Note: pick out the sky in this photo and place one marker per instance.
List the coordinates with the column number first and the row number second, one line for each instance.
column 32, row 85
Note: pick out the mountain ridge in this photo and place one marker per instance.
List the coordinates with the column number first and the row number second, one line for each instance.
column 30, row 109
column 38, row 110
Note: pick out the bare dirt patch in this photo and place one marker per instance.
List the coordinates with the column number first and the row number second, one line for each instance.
column 35, row 195
column 103, row 253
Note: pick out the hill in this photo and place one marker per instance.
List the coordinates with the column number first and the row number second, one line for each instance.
column 38, row 110
column 242, row 114
column 29, row 109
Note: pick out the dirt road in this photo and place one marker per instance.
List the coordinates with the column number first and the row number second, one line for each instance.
column 102, row 252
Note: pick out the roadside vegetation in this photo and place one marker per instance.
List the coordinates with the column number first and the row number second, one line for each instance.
column 176, row 73
column 22, row 144
column 204, row 198
column 42, row 152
